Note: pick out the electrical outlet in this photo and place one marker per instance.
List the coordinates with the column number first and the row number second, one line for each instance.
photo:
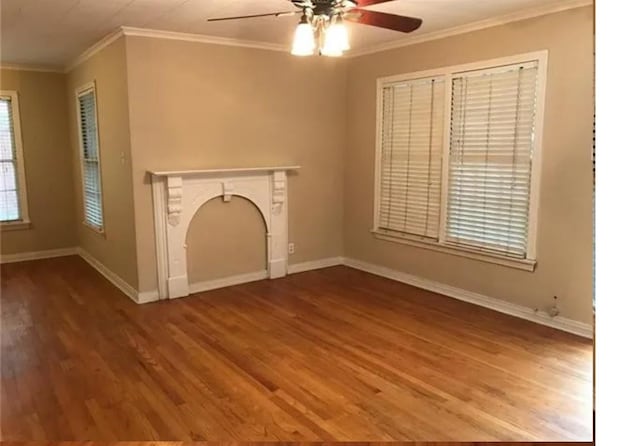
column 553, row 310
column 292, row 248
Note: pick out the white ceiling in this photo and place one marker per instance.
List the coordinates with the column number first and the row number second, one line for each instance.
column 54, row 32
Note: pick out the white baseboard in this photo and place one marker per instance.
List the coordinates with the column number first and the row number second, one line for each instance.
column 112, row 277
column 208, row 285
column 315, row 264
column 36, row 255
column 260, row 275
column 238, row 279
column 560, row 323
column 146, row 297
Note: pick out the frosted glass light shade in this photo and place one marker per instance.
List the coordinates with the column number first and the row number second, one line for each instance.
column 304, row 42
column 336, row 40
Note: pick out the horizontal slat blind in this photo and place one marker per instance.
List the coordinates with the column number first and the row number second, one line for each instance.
column 492, row 124
column 90, row 159
column 9, row 202
column 411, row 157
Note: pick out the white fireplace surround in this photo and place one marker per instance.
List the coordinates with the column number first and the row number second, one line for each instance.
column 177, row 196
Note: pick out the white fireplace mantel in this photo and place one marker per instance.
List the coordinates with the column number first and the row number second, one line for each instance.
column 177, row 196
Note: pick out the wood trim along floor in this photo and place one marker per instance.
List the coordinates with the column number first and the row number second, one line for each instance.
column 36, row 255
column 520, row 311
column 112, row 277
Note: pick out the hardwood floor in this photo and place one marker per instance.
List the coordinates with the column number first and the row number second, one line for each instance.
column 278, row 443
column 334, row 354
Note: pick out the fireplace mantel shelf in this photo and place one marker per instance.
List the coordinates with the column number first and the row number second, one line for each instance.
column 237, row 170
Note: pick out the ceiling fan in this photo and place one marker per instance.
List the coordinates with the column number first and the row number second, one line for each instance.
column 321, row 25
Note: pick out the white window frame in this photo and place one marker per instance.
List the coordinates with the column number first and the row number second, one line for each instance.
column 529, row 262
column 23, row 221
column 80, row 91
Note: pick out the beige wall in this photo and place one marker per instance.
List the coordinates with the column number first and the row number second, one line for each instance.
column 47, row 162
column 565, row 218
column 116, row 248
column 197, row 105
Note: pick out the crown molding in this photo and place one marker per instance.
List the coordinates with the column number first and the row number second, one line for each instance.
column 95, row 48
column 201, row 38
column 473, row 26
column 225, row 41
column 170, row 35
column 27, row 67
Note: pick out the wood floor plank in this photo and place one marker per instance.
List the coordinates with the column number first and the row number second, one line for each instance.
column 328, row 355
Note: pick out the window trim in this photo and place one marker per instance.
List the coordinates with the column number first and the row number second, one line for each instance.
column 24, row 222
column 81, row 91
column 529, row 262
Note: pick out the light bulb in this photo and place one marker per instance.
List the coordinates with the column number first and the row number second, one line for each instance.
column 336, row 39
column 304, row 42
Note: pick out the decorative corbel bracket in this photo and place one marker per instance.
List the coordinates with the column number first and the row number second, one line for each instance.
column 174, row 200
column 279, row 191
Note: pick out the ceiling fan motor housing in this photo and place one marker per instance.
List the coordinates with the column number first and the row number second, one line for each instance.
column 327, row 8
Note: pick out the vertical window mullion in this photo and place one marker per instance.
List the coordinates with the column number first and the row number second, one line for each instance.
column 444, row 191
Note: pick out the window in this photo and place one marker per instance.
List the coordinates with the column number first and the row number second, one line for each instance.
column 13, row 191
column 457, row 162
column 90, row 156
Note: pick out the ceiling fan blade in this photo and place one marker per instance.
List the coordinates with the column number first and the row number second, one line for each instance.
column 274, row 14
column 384, row 20
column 363, row 3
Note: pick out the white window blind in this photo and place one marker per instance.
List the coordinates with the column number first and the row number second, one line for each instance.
column 490, row 159
column 9, row 171
column 458, row 158
column 411, row 157
column 90, row 158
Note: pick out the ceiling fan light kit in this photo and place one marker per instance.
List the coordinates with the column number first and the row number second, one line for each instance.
column 336, row 39
column 319, row 31
column 304, row 40
column 322, row 25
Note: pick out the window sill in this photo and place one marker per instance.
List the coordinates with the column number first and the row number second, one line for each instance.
column 15, row 225
column 522, row 264
column 97, row 229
